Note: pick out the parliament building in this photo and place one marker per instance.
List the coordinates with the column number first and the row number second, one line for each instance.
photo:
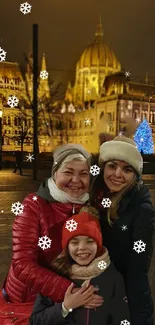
column 101, row 91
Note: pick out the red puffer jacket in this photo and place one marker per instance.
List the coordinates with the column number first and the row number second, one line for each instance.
column 30, row 268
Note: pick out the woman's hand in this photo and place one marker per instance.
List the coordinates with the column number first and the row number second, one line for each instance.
column 77, row 297
column 94, row 302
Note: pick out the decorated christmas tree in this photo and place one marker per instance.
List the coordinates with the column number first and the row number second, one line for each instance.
column 143, row 138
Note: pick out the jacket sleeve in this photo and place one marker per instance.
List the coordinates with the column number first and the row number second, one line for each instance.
column 46, row 312
column 138, row 289
column 119, row 305
column 25, row 263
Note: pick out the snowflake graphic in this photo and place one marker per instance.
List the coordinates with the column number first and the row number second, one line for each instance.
column 102, row 265
column 94, row 170
column 87, row 121
column 2, row 55
column 44, row 242
column 30, row 157
column 125, row 322
column 120, row 134
column 124, row 227
column 125, row 299
column 13, row 101
column 139, row 246
column 71, row 225
column 25, row 8
column 127, row 73
column 106, row 202
column 138, row 119
column 17, row 208
column 44, row 74
column 34, row 198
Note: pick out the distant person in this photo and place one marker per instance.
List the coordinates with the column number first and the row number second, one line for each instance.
column 19, row 159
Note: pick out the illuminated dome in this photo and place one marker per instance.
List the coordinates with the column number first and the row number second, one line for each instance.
column 98, row 53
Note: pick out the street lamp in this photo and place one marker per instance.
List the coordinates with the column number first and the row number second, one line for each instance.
column 1, row 114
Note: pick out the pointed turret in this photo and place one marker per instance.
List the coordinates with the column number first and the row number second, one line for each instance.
column 29, row 65
column 99, row 28
column 44, row 89
column 43, row 63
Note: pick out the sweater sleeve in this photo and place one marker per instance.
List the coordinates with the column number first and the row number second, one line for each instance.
column 119, row 305
column 46, row 312
column 26, row 267
column 137, row 283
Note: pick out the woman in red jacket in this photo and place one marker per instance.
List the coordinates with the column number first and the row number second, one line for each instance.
column 37, row 231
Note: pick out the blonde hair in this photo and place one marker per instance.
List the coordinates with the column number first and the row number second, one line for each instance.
column 91, row 210
column 75, row 156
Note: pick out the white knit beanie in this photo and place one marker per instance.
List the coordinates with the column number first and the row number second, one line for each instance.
column 121, row 148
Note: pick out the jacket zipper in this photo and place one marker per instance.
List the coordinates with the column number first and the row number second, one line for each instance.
column 87, row 317
column 73, row 210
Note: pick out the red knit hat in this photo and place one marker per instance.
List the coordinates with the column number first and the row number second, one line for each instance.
column 82, row 224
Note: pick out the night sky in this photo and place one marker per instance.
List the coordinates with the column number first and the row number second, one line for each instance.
column 67, row 26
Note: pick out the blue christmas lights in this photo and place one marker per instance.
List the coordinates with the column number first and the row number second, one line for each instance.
column 143, row 138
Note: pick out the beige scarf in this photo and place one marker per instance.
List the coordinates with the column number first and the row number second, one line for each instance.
column 95, row 268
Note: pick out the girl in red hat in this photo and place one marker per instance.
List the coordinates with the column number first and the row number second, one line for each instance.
column 87, row 263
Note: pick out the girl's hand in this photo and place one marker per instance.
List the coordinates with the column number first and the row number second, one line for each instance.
column 79, row 298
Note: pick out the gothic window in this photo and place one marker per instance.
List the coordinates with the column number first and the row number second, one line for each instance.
column 9, row 120
column 135, row 113
column 4, row 120
column 15, row 121
column 80, row 124
column 101, row 115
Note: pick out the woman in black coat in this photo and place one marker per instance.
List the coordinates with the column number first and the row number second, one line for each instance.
column 84, row 260
column 127, row 221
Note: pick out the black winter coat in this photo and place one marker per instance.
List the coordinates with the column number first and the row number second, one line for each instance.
column 114, row 310
column 130, row 244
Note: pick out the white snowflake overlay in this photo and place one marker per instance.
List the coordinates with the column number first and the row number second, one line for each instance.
column 13, row 101
column 44, row 74
column 106, row 202
column 102, row 265
column 124, row 227
column 127, row 73
column 30, row 157
column 25, row 8
column 94, row 170
column 71, row 225
column 44, row 242
column 34, row 198
column 125, row 322
column 2, row 55
column 17, row 208
column 139, row 246
column 87, row 121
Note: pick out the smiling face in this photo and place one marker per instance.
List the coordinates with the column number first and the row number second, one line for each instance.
column 82, row 249
column 73, row 178
column 118, row 175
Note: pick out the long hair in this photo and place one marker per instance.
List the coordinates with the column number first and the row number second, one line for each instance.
column 100, row 190
column 62, row 264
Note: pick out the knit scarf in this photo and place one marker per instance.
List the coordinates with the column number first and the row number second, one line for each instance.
column 63, row 197
column 95, row 268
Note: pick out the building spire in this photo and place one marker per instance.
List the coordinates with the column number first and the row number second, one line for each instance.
column 99, row 28
column 43, row 63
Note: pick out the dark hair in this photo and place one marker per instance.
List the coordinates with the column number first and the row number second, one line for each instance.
column 62, row 264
